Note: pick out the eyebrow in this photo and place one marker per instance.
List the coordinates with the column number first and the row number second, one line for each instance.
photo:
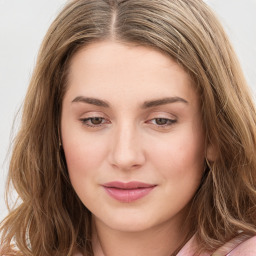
column 164, row 101
column 146, row 104
column 92, row 101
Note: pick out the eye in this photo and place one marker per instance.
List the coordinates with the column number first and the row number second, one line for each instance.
column 162, row 122
column 94, row 121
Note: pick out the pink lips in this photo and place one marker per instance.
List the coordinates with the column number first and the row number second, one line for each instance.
column 127, row 192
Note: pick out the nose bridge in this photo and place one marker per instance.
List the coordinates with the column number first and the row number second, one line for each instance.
column 126, row 146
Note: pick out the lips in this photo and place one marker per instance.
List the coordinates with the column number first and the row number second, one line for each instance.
column 128, row 192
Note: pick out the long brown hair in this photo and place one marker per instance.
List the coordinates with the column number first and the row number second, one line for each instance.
column 50, row 219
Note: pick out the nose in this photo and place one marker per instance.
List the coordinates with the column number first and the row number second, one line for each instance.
column 126, row 151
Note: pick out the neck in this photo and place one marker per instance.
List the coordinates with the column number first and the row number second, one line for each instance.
column 162, row 240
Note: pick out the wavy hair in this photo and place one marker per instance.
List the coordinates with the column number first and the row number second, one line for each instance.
column 50, row 219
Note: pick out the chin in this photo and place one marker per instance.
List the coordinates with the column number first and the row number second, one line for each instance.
column 129, row 222
column 130, row 226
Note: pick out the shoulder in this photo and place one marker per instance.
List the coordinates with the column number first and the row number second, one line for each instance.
column 242, row 245
column 246, row 248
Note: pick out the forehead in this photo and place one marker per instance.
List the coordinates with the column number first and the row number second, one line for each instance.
column 111, row 69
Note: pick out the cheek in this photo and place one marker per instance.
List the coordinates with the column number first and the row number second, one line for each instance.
column 83, row 162
column 83, row 154
column 180, row 157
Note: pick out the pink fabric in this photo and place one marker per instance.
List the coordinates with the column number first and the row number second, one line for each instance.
column 236, row 247
column 246, row 248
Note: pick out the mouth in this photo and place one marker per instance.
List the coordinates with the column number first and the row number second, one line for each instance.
column 128, row 192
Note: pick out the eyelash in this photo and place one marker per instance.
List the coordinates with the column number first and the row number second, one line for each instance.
column 88, row 121
column 85, row 121
column 168, row 121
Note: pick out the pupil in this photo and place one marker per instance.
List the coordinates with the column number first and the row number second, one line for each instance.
column 161, row 121
column 96, row 120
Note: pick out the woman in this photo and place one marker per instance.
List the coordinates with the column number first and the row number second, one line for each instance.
column 138, row 137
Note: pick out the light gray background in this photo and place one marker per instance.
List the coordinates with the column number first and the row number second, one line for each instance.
column 23, row 24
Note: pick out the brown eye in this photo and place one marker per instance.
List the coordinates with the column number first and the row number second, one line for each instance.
column 161, row 121
column 96, row 120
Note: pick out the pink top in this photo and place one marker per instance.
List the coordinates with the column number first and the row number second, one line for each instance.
column 239, row 246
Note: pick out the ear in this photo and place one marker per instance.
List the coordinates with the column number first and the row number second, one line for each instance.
column 211, row 152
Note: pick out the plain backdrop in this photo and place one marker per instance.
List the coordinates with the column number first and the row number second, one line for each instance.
column 23, row 24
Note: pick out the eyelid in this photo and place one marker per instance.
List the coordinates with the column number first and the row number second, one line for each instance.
column 161, row 114
column 93, row 114
column 170, row 119
column 88, row 117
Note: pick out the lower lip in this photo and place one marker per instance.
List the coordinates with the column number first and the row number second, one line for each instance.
column 128, row 195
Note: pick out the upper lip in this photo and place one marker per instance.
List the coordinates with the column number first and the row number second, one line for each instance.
column 127, row 185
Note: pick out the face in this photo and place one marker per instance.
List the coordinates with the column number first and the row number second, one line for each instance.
column 132, row 135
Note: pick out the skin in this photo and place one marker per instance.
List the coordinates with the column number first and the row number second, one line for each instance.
column 133, row 140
